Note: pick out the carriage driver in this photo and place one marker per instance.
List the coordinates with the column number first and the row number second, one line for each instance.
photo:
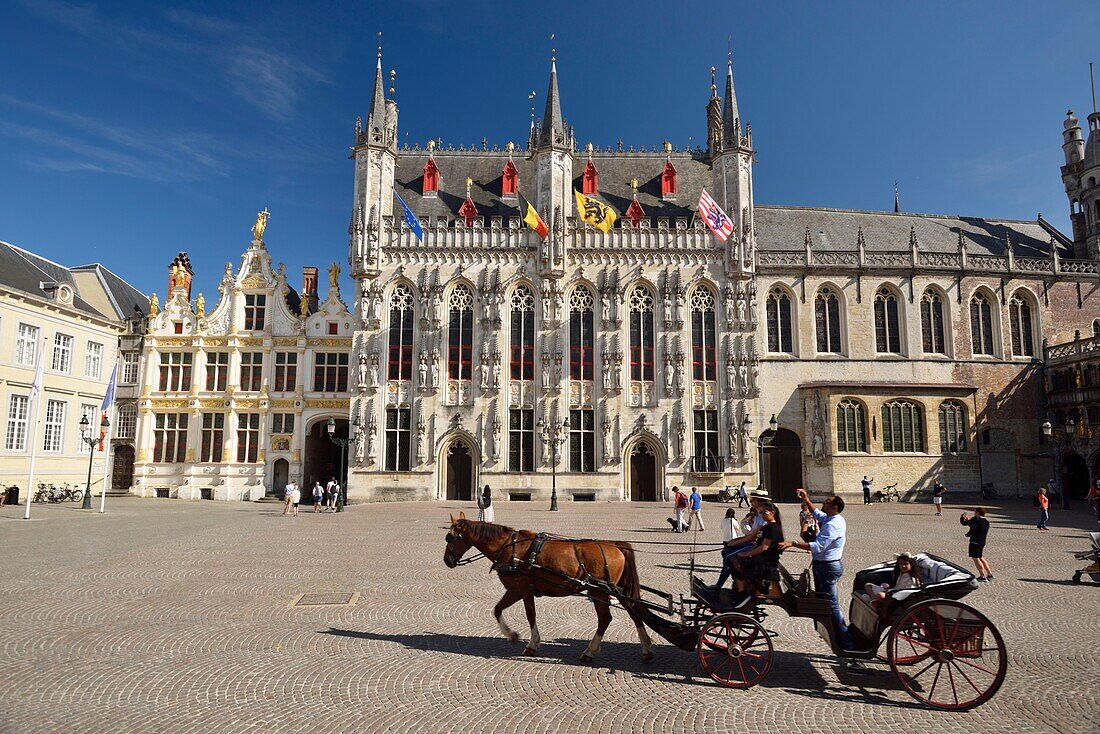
column 826, row 550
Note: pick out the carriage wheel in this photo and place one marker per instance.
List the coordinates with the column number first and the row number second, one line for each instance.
column 947, row 655
column 735, row 650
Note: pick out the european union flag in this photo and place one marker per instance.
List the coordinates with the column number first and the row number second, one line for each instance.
column 410, row 218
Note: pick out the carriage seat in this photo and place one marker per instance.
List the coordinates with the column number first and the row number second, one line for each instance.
column 937, row 577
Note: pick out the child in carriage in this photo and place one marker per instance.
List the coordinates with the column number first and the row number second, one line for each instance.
column 906, row 576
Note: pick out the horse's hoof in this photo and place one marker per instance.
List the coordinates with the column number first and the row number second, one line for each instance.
column 513, row 638
column 586, row 658
column 647, row 658
column 528, row 651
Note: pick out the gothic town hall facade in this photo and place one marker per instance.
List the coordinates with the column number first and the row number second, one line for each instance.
column 810, row 348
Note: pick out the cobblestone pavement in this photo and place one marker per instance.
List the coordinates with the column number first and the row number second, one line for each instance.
column 170, row 616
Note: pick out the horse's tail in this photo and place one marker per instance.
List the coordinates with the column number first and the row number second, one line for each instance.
column 629, row 581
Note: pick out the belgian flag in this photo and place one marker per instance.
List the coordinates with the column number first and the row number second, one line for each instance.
column 531, row 217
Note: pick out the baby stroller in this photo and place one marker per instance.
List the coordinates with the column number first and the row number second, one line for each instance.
column 1093, row 569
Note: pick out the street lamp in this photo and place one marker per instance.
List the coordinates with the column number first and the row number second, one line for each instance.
column 761, row 442
column 90, row 440
column 343, row 443
column 553, row 436
column 1058, row 444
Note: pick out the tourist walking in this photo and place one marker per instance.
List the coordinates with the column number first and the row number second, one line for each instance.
column 978, row 532
column 696, row 513
column 318, row 495
column 297, row 495
column 867, row 489
column 679, row 506
column 938, row 491
column 827, row 552
column 288, row 498
column 743, row 495
column 330, row 494
column 485, row 505
column 1043, row 503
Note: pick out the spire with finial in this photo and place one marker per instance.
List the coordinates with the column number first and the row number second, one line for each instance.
column 376, row 117
column 731, row 118
column 393, row 82
column 714, row 119
column 553, row 129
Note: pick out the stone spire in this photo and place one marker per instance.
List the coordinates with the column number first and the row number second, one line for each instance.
column 730, row 116
column 376, row 117
column 553, row 129
column 714, row 119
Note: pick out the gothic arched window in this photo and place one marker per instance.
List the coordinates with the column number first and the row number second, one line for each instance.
column 827, row 319
column 581, row 337
column 851, row 426
column 703, row 334
column 401, row 333
column 1020, row 326
column 1096, row 327
column 641, row 334
column 778, row 310
column 460, row 333
column 887, row 327
column 952, row 427
column 522, row 361
column 981, row 324
column 931, row 323
column 902, row 427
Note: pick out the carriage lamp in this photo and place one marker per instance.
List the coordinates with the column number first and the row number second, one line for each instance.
column 773, row 423
column 90, row 440
column 553, row 437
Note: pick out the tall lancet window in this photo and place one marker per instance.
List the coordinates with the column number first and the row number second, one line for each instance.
column 1019, row 315
column 981, row 324
column 887, row 333
column 703, row 335
column 778, row 310
column 581, row 339
column 401, row 333
column 460, row 345
column 931, row 323
column 641, row 345
column 827, row 319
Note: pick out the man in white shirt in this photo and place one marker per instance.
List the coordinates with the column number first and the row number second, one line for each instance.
column 288, row 498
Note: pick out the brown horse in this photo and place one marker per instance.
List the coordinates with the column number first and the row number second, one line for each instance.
column 568, row 563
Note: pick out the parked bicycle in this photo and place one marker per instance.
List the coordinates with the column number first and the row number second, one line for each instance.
column 889, row 493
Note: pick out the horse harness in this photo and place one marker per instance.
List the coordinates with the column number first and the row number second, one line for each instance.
column 529, row 562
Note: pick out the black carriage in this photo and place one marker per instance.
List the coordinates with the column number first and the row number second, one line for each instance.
column 1093, row 569
column 944, row 653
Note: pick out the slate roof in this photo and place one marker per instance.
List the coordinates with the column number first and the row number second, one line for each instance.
column 25, row 271
column 784, row 228
column 615, row 172
column 126, row 298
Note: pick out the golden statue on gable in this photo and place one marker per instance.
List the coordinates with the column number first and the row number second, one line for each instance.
column 333, row 276
column 154, row 305
column 260, row 225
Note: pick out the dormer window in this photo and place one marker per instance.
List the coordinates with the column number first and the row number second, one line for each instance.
column 177, row 327
column 255, row 308
column 333, row 328
column 590, row 180
column 431, row 179
column 668, row 181
column 509, row 180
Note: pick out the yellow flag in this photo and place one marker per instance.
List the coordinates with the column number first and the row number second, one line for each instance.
column 596, row 213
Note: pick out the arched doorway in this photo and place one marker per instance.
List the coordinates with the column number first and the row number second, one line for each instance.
column 322, row 456
column 122, row 467
column 643, row 472
column 1075, row 476
column 458, row 471
column 781, row 468
column 280, row 473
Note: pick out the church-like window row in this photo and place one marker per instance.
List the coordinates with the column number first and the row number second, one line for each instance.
column 902, row 426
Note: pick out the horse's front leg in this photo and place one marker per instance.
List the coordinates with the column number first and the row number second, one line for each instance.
column 603, row 619
column 529, row 607
column 511, row 596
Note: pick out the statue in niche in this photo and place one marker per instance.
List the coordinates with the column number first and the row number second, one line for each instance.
column 374, row 370
column 679, row 375
column 363, row 371
column 668, row 306
column 364, row 303
column 743, row 375
column 678, row 304
column 435, row 369
column 496, row 370
column 494, row 439
column 607, row 372
column 495, row 300
column 376, row 302
column 607, row 453
column 745, row 438
column 818, row 426
column 360, row 445
column 557, row 369
column 422, row 371
column 731, row 369
column 617, row 370
column 752, row 303
column 372, row 426
column 483, row 371
column 731, row 432
column 433, row 305
column 545, row 371
column 755, row 384
column 680, row 427
column 420, row 441
column 731, row 307
column 605, row 303
column 741, row 305
column 670, row 373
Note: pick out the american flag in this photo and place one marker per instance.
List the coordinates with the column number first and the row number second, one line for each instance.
column 720, row 224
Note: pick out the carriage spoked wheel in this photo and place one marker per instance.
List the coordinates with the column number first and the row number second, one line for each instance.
column 947, row 655
column 735, row 650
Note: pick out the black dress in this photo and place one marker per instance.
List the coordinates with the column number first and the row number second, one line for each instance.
column 765, row 566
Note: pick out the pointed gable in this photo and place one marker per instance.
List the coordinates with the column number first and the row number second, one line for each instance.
column 635, row 213
column 668, row 181
column 590, row 179
column 509, row 180
column 431, row 178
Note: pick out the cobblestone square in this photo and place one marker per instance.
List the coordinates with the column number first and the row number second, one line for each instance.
column 176, row 616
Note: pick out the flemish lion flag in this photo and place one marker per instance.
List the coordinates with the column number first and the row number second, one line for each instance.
column 531, row 217
column 595, row 212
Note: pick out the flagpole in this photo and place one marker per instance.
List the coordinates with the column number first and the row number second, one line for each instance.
column 106, row 456
column 36, row 389
column 105, row 440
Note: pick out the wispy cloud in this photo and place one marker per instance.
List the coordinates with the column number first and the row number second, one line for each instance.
column 107, row 148
column 270, row 80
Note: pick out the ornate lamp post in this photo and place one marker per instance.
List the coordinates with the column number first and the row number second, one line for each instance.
column 553, row 436
column 1058, row 444
column 343, row 443
column 761, row 442
column 90, row 440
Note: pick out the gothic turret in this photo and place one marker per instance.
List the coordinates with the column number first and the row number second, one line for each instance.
column 731, row 183
column 553, row 157
column 375, row 155
column 731, row 118
column 1081, row 178
column 714, row 120
column 553, row 129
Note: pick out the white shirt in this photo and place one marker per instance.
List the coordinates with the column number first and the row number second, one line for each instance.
column 730, row 529
column 290, row 489
column 297, row 495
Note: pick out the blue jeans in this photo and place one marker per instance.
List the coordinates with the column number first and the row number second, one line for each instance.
column 1044, row 515
column 826, row 576
column 727, row 552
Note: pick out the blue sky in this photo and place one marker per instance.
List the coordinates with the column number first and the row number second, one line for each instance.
column 129, row 131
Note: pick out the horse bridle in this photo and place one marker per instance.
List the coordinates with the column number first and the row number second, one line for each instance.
column 453, row 535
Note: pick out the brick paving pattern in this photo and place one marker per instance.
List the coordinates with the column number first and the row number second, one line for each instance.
column 172, row 616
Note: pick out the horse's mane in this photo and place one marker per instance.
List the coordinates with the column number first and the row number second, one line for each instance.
column 487, row 532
